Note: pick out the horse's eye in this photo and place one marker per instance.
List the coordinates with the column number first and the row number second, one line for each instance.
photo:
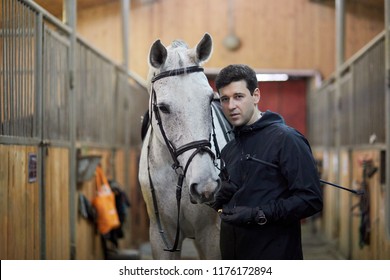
column 164, row 108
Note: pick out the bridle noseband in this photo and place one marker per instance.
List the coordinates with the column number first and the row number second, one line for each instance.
column 199, row 146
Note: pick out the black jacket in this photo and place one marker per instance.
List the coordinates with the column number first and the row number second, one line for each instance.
column 286, row 194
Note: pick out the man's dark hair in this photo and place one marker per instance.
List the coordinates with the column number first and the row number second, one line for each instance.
column 235, row 73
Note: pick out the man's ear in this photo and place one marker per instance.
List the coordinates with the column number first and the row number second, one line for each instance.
column 256, row 96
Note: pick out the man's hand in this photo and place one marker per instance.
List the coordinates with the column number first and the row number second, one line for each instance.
column 227, row 190
column 239, row 215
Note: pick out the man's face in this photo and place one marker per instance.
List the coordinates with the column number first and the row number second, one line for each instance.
column 238, row 105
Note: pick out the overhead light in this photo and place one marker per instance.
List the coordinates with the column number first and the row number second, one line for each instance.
column 272, row 77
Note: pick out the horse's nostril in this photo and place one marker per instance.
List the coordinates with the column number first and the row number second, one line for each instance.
column 193, row 189
column 201, row 195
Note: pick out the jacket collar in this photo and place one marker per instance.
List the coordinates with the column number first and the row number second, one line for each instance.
column 268, row 118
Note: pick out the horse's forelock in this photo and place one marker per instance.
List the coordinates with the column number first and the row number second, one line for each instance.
column 178, row 44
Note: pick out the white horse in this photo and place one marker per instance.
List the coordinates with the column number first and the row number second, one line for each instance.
column 177, row 169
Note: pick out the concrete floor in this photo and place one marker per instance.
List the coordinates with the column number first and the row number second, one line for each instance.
column 314, row 246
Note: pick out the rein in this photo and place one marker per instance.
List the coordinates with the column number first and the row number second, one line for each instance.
column 200, row 146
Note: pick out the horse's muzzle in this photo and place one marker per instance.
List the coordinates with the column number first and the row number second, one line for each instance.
column 204, row 194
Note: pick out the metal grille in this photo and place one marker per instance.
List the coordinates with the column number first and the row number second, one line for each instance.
column 315, row 112
column 131, row 104
column 369, row 95
column 137, row 108
column 95, row 88
column 35, row 80
column 122, row 105
column 18, row 109
column 321, row 111
column 361, row 105
column 346, row 110
column 55, row 87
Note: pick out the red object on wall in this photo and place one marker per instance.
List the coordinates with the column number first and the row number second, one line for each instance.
column 287, row 98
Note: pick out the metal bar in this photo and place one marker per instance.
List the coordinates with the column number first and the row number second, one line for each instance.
column 125, row 6
column 31, row 93
column 70, row 8
column 11, row 72
column 24, row 71
column 38, row 131
column 15, row 140
column 47, row 16
column 340, row 32
column 4, row 73
column 387, row 119
column 340, row 50
column 16, row 74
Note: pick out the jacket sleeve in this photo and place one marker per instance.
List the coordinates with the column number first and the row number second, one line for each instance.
column 298, row 167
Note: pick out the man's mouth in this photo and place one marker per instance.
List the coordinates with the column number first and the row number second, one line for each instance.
column 234, row 115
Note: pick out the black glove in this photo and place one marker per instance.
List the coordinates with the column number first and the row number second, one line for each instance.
column 239, row 215
column 223, row 196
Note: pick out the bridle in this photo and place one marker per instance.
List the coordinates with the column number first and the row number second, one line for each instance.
column 199, row 146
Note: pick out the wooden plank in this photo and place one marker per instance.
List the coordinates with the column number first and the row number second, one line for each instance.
column 19, row 207
column 48, row 173
column 17, row 203
column 140, row 220
column 345, row 205
column 4, row 185
column 57, row 204
column 65, row 213
column 331, row 196
column 32, row 214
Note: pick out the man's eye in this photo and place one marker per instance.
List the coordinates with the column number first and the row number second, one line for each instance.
column 164, row 108
column 224, row 100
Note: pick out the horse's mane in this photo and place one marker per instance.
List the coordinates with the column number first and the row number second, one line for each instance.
column 178, row 60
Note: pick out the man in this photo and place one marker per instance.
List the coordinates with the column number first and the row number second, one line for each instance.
column 261, row 204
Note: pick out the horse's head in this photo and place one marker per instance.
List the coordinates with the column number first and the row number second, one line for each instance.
column 180, row 102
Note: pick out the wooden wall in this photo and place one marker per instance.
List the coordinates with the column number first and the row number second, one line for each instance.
column 56, row 193
column 19, row 207
column 279, row 34
column 341, row 214
column 20, row 221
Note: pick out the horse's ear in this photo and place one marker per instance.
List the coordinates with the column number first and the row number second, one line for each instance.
column 158, row 54
column 204, row 48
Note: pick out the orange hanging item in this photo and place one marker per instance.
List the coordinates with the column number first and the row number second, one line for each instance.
column 104, row 203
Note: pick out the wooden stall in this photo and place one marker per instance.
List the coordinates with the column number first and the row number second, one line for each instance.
column 19, row 208
column 347, row 131
column 60, row 96
column 60, row 99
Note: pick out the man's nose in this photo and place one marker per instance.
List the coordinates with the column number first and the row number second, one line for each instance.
column 231, row 104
